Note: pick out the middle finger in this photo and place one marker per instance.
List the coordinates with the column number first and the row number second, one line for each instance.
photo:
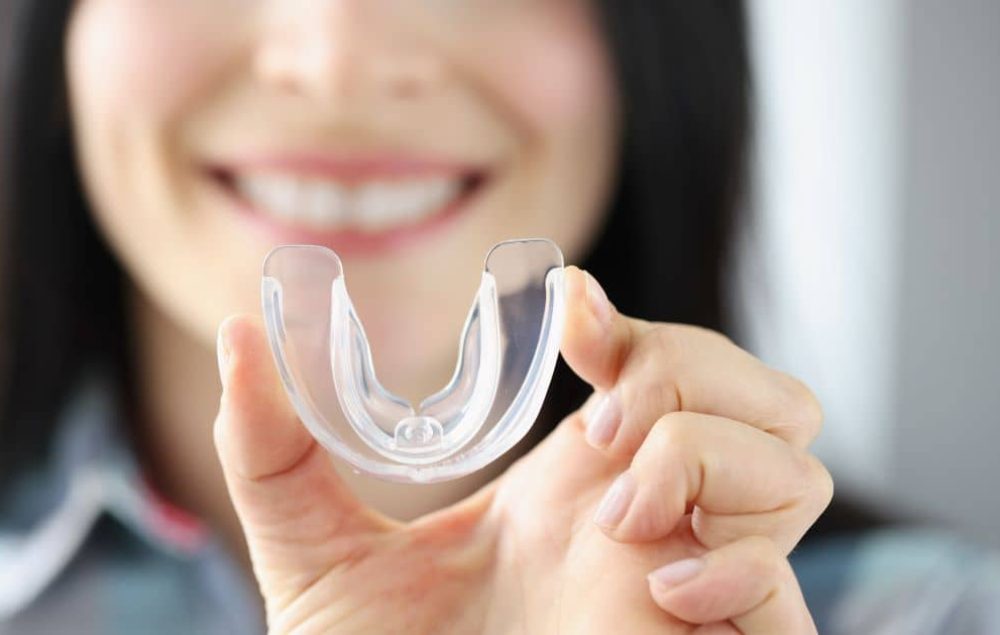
column 735, row 479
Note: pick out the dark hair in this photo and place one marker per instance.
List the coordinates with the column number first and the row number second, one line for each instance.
column 683, row 74
column 60, row 288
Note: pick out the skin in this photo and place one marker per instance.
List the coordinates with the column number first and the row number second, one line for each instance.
column 158, row 89
column 716, row 461
column 523, row 555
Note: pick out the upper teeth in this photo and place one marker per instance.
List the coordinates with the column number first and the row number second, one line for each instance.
column 371, row 206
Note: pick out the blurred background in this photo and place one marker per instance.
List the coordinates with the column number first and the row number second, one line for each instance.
column 871, row 270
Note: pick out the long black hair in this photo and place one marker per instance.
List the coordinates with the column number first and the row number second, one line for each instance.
column 683, row 80
column 60, row 288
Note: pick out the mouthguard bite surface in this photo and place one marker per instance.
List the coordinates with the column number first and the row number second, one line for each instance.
column 507, row 353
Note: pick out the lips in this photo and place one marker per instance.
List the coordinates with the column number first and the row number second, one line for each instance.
column 350, row 205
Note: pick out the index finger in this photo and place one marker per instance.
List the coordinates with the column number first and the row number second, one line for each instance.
column 644, row 370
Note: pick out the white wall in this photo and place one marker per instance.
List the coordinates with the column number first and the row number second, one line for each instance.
column 823, row 293
column 872, row 268
column 947, row 449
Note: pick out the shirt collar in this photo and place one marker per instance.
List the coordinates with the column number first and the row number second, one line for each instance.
column 50, row 511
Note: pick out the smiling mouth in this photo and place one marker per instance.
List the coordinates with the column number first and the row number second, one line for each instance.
column 348, row 201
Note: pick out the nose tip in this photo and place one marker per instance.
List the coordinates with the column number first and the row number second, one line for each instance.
column 345, row 51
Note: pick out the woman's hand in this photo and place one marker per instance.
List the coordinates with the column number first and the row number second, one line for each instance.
column 688, row 466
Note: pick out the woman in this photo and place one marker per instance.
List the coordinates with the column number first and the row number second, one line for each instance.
column 155, row 151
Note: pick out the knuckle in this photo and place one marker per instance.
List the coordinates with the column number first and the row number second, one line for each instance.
column 665, row 344
column 665, row 351
column 816, row 483
column 765, row 558
column 688, row 341
column 822, row 482
column 811, row 411
column 669, row 445
column 804, row 407
column 706, row 334
column 674, row 430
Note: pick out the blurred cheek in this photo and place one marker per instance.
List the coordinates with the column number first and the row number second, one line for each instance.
column 129, row 57
column 552, row 75
column 138, row 70
column 552, row 69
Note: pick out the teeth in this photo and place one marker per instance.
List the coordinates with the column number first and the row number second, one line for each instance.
column 324, row 203
column 281, row 195
column 372, row 206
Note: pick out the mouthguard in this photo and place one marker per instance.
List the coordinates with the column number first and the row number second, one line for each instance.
column 507, row 353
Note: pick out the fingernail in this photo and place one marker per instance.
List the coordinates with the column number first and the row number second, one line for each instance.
column 616, row 502
column 603, row 421
column 600, row 306
column 222, row 351
column 676, row 573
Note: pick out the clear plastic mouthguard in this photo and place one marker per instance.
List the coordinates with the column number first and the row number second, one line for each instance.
column 507, row 353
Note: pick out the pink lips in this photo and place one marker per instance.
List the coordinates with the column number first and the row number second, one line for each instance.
column 348, row 171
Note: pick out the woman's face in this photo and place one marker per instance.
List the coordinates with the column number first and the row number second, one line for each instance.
column 408, row 136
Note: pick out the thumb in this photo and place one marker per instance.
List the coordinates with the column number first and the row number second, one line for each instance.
column 597, row 338
column 298, row 516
